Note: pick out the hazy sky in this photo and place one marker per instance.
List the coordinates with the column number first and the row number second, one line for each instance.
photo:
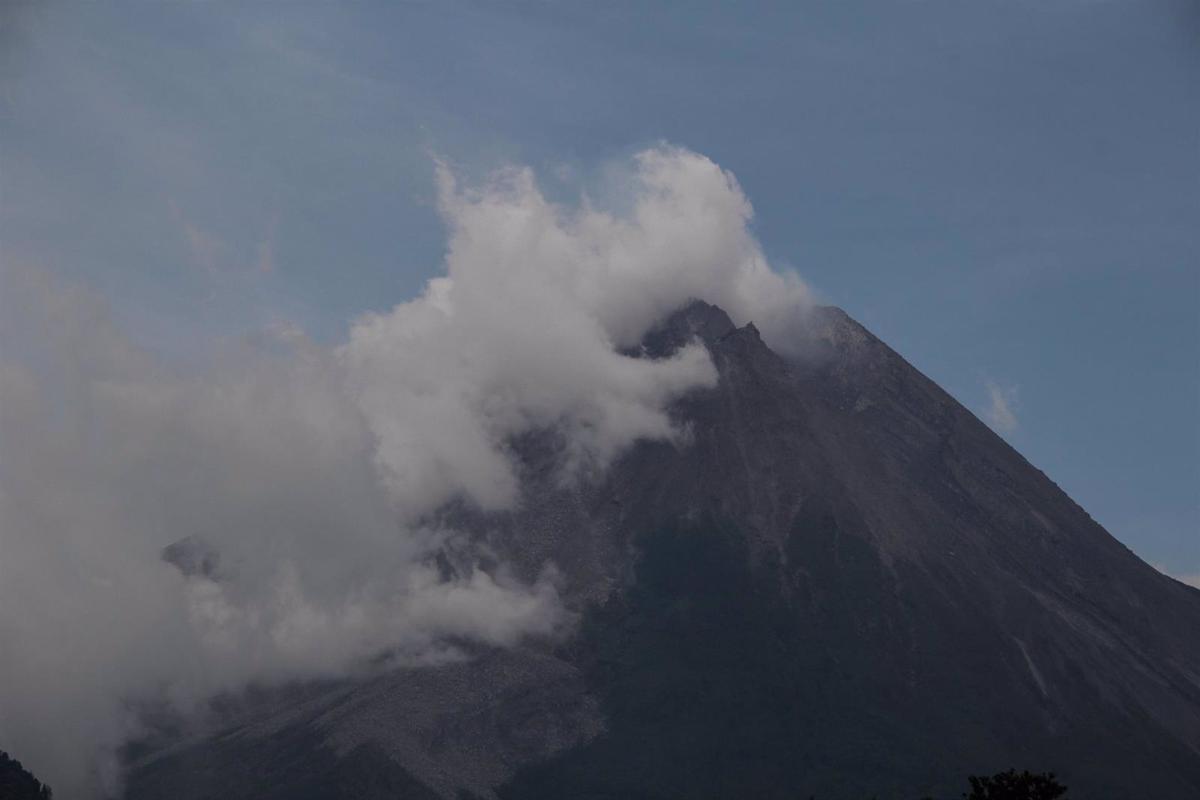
column 1008, row 193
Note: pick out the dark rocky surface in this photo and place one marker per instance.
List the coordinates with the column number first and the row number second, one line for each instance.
column 843, row 585
column 17, row 783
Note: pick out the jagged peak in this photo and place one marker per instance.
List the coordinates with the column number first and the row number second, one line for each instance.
column 193, row 556
column 702, row 319
column 695, row 319
column 825, row 332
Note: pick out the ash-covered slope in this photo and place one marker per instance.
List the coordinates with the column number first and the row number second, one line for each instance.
column 844, row 584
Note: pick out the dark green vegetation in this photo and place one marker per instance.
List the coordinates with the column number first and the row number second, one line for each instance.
column 1013, row 785
column 16, row 783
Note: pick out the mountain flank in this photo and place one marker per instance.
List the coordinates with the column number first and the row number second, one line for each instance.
column 841, row 584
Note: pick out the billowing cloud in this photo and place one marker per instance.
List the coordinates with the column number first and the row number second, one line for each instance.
column 302, row 477
column 1001, row 410
column 526, row 327
column 262, row 455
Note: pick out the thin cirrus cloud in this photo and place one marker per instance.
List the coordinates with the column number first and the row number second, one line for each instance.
column 216, row 258
column 1001, row 410
column 310, row 471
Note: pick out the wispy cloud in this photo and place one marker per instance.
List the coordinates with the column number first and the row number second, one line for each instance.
column 265, row 264
column 217, row 257
column 1001, row 411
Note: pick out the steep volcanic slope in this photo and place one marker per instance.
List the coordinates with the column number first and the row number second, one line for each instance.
column 843, row 584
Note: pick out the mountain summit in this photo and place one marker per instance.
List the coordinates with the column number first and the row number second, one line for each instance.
column 841, row 583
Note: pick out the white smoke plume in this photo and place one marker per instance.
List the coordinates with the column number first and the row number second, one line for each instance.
column 310, row 469
column 1001, row 411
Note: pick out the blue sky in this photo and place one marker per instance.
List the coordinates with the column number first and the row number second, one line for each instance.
column 1008, row 193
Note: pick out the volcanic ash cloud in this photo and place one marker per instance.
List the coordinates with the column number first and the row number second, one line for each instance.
column 309, row 472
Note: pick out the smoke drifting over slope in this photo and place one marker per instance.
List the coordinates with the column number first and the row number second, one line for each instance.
column 309, row 470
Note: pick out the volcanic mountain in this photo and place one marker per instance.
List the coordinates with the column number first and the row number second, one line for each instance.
column 842, row 584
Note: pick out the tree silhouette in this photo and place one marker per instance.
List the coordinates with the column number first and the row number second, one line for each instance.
column 1013, row 785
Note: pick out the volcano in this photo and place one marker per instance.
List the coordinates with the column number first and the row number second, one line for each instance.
column 839, row 584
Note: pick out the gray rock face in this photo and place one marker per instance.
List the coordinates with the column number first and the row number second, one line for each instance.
column 844, row 584
column 459, row 728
